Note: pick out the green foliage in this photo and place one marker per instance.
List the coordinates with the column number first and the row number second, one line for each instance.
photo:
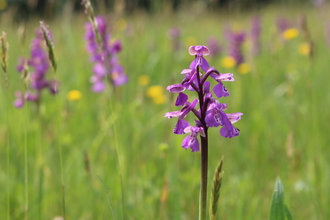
column 278, row 209
column 283, row 130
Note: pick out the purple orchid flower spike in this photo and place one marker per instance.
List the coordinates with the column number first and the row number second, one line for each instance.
column 211, row 113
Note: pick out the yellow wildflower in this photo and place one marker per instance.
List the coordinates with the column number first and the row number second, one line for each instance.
column 3, row 4
column 143, row 80
column 160, row 99
column 243, row 68
column 237, row 26
column 154, row 91
column 120, row 24
column 290, row 33
column 74, row 95
column 228, row 62
column 305, row 49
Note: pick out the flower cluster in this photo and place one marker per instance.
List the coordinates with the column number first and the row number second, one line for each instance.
column 211, row 111
column 103, row 53
column 40, row 63
column 236, row 40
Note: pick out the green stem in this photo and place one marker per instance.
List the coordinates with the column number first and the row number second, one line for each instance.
column 8, row 160
column 204, row 151
column 40, row 159
column 204, row 168
column 8, row 174
column 26, row 171
column 119, row 161
column 61, row 165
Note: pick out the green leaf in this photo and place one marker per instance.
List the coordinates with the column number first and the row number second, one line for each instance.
column 278, row 210
column 288, row 214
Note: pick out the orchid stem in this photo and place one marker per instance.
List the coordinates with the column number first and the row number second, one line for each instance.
column 204, row 154
column 204, row 168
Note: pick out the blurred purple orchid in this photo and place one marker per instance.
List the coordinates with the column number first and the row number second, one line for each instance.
column 103, row 54
column 40, row 63
column 236, row 40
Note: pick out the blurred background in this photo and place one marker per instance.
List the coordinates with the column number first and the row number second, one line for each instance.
column 51, row 8
column 278, row 51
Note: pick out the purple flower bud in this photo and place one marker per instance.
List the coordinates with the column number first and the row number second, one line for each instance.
column 53, row 86
column 180, row 126
column 99, row 87
column 199, row 50
column 228, row 130
column 220, row 90
column 21, row 63
column 191, row 141
column 19, row 102
column 175, row 88
column 100, row 70
column 181, row 99
column 234, row 117
column 31, row 96
column 116, row 47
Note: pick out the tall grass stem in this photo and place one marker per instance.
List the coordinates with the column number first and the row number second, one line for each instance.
column 26, row 170
column 119, row 160
column 8, row 157
column 61, row 156
column 106, row 191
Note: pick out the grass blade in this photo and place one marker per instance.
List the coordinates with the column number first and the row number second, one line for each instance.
column 278, row 210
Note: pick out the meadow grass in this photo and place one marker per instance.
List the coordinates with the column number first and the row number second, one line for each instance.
column 283, row 131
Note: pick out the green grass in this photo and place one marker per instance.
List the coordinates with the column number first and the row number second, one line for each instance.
column 283, row 131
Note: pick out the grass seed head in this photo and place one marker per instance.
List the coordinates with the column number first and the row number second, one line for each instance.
column 50, row 44
column 4, row 52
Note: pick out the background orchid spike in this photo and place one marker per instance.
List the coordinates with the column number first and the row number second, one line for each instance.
column 255, row 34
column 104, row 56
column 37, row 80
column 236, row 39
